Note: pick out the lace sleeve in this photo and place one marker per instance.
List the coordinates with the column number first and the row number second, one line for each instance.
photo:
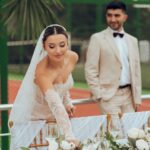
column 67, row 99
column 58, row 110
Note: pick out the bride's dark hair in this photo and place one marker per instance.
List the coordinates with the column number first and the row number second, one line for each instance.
column 53, row 30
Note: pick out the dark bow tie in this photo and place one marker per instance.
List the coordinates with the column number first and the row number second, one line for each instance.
column 115, row 34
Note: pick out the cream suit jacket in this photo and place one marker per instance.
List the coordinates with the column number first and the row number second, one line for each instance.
column 103, row 66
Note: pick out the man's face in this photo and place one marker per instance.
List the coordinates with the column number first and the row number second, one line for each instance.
column 115, row 18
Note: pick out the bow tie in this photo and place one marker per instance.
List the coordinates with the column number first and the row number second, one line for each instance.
column 115, row 34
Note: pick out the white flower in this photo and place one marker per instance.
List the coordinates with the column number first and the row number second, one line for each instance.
column 85, row 147
column 90, row 147
column 85, row 142
column 122, row 142
column 106, row 144
column 148, row 138
column 135, row 133
column 141, row 134
column 52, row 144
column 147, row 130
column 67, row 146
column 142, row 145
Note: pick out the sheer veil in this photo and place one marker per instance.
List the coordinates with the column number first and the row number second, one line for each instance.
column 25, row 98
column 20, row 115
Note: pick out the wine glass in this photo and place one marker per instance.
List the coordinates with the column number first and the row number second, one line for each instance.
column 52, row 134
column 52, row 130
column 115, row 127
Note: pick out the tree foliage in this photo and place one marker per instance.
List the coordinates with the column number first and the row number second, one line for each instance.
column 25, row 19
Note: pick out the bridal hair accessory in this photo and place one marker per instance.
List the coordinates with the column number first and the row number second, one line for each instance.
column 57, row 25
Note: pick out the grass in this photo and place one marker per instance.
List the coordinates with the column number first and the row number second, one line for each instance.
column 145, row 75
column 17, row 73
column 81, row 85
column 15, row 76
column 78, row 73
column 145, row 91
column 85, row 86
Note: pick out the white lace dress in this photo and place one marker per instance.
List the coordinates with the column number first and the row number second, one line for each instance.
column 54, row 111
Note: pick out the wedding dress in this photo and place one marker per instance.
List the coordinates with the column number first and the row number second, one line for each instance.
column 42, row 112
column 47, row 112
column 28, row 115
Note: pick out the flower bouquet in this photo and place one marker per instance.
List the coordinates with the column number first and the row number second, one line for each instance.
column 138, row 139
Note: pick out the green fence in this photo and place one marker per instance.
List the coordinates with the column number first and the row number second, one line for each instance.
column 3, row 85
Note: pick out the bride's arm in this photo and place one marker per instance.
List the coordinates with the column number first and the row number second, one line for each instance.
column 59, row 111
column 57, row 107
column 67, row 99
column 68, row 104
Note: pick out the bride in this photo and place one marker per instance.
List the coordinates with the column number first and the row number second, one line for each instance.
column 43, row 96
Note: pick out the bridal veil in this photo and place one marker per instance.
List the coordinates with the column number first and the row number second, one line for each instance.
column 20, row 116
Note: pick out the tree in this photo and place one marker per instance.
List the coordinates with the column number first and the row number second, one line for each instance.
column 25, row 19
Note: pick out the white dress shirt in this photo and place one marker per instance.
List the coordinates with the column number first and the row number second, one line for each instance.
column 125, row 77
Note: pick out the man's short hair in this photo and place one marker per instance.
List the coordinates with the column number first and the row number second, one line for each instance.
column 116, row 4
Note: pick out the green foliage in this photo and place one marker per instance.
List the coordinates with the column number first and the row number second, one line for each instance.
column 79, row 76
column 15, row 76
column 87, row 25
column 17, row 73
column 113, row 144
column 146, row 76
column 78, row 73
column 26, row 19
column 24, row 148
column 81, row 85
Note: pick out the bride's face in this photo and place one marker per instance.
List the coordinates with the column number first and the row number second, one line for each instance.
column 56, row 46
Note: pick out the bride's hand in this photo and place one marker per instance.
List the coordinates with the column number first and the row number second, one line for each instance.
column 76, row 143
column 70, row 144
column 70, row 110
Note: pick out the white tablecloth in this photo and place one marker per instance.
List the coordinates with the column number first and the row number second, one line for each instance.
column 87, row 127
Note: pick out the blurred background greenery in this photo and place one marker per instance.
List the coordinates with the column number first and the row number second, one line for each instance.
column 25, row 19
column 17, row 73
column 81, row 18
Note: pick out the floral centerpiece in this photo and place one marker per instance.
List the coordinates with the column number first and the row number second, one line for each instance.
column 137, row 140
column 105, row 139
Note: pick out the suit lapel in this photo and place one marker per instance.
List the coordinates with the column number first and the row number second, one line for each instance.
column 111, row 41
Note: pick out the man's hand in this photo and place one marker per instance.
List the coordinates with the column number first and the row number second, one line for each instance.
column 137, row 106
column 99, row 99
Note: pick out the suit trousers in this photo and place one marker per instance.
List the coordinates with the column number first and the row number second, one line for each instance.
column 121, row 102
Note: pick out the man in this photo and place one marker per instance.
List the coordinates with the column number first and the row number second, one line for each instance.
column 112, row 66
